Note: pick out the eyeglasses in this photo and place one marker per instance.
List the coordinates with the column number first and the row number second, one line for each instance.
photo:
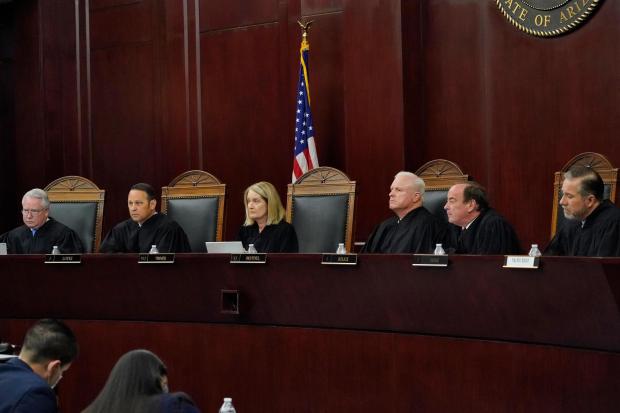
column 34, row 212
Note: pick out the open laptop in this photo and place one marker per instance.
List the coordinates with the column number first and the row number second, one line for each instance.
column 224, row 247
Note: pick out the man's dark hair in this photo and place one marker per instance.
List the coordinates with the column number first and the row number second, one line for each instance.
column 591, row 181
column 475, row 191
column 50, row 339
column 150, row 192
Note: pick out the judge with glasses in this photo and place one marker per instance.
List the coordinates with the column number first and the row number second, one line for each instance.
column 40, row 232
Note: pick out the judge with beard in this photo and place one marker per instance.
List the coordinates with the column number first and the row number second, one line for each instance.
column 413, row 229
column 145, row 227
column 40, row 232
column 477, row 228
column 592, row 226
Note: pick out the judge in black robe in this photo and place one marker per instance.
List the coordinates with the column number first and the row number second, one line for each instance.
column 489, row 233
column 596, row 236
column 413, row 229
column 264, row 224
column 477, row 228
column 40, row 233
column 280, row 237
column 145, row 228
column 592, row 225
column 52, row 233
column 418, row 232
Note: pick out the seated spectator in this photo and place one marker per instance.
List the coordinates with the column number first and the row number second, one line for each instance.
column 138, row 383
column 27, row 381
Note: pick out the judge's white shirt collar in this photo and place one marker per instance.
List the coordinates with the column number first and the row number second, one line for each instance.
column 140, row 225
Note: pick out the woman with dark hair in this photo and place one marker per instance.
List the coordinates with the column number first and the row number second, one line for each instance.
column 138, row 383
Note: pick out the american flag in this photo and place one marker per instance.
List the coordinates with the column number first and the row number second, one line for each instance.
column 305, row 157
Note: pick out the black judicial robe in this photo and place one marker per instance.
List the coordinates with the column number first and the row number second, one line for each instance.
column 21, row 241
column 280, row 237
column 158, row 230
column 599, row 236
column 418, row 232
column 490, row 233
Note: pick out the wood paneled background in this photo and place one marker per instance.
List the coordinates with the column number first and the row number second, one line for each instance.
column 123, row 91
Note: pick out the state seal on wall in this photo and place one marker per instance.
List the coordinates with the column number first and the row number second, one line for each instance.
column 547, row 18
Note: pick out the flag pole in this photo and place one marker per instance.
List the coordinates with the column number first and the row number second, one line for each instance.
column 305, row 156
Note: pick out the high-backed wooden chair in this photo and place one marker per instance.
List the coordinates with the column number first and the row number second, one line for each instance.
column 78, row 203
column 592, row 160
column 195, row 200
column 439, row 175
column 320, row 205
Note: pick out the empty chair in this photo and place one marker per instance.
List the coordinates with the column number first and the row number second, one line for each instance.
column 320, row 205
column 195, row 200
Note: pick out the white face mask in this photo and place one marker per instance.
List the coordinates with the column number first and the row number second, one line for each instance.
column 53, row 382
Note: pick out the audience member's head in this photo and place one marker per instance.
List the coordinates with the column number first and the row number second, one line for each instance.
column 582, row 192
column 49, row 348
column 406, row 193
column 138, row 383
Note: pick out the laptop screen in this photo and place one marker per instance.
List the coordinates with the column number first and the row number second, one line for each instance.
column 224, row 247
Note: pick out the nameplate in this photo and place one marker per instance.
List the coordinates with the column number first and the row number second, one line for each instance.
column 430, row 260
column 339, row 259
column 521, row 261
column 156, row 258
column 63, row 258
column 248, row 258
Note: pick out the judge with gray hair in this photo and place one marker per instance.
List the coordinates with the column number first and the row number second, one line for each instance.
column 40, row 232
column 412, row 229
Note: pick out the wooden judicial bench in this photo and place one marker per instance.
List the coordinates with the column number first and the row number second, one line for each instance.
column 379, row 336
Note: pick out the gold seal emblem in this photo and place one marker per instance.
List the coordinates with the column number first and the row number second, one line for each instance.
column 547, row 18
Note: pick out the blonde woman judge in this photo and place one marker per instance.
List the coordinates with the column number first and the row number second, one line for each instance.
column 264, row 225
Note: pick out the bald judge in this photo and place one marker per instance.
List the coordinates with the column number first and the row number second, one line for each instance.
column 145, row 227
column 412, row 229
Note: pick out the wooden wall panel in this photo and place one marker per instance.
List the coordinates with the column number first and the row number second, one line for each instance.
column 374, row 135
column 227, row 14
column 241, row 96
column 308, row 370
column 454, row 95
column 9, row 206
column 121, row 25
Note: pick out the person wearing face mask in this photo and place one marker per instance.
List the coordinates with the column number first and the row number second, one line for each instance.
column 264, row 225
column 138, row 383
column 27, row 381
